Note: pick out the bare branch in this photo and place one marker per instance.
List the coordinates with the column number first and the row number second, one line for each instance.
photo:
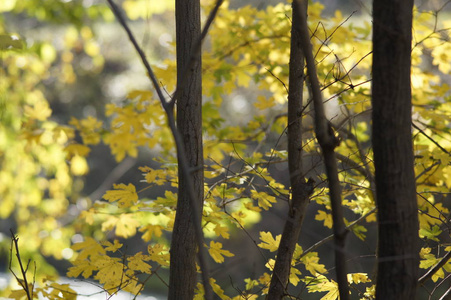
column 27, row 287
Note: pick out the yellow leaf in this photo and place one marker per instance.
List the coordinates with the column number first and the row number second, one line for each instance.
column 158, row 253
column 222, row 231
column 217, row 253
column 78, row 165
column 322, row 284
column 149, row 231
column 294, row 279
column 217, row 289
column 110, row 246
column 126, row 225
column 77, row 149
column 311, row 264
column 18, row 294
column 322, row 215
column 264, row 200
column 125, row 195
column 358, row 278
column 83, row 267
column 268, row 241
column 264, row 102
column 137, row 263
column 89, row 247
column 111, row 272
column 65, row 290
column 40, row 111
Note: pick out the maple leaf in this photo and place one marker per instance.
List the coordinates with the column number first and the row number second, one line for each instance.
column 322, row 215
column 222, row 231
column 268, row 241
column 149, row 231
column 88, row 216
column 263, row 199
column 358, row 278
column 322, row 284
column 83, row 267
column 110, row 273
column 264, row 102
column 65, row 290
column 137, row 263
column 217, row 253
column 125, row 195
column 89, row 247
column 159, row 254
column 311, row 263
column 18, row 294
column 217, row 289
column 126, row 225
column 110, row 246
column 294, row 279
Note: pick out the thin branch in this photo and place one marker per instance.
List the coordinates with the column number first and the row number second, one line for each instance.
column 24, row 281
column 446, row 295
column 112, row 177
column 435, row 268
column 166, row 105
column 430, row 138
column 330, row 237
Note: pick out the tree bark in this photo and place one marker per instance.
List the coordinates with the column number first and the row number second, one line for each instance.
column 328, row 142
column 300, row 190
column 183, row 274
column 398, row 258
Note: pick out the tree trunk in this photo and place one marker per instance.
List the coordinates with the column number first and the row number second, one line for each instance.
column 300, row 190
column 328, row 142
column 183, row 274
column 393, row 154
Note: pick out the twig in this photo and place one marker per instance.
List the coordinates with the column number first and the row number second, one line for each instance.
column 330, row 237
column 24, row 281
column 446, row 294
column 434, row 269
column 430, row 138
column 112, row 177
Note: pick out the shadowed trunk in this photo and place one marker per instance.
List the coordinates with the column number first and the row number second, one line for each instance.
column 183, row 274
column 393, row 155
column 300, row 190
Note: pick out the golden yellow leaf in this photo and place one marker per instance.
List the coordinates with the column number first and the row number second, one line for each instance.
column 268, row 241
column 125, row 195
column 217, row 253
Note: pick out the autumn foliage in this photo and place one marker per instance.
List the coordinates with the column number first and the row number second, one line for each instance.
column 45, row 158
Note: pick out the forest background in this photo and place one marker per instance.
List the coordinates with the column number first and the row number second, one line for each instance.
column 78, row 116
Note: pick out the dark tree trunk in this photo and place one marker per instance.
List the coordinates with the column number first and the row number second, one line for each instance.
column 300, row 190
column 183, row 274
column 393, row 155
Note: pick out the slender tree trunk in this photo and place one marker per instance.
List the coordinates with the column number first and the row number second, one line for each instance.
column 328, row 142
column 300, row 190
column 183, row 274
column 393, row 155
